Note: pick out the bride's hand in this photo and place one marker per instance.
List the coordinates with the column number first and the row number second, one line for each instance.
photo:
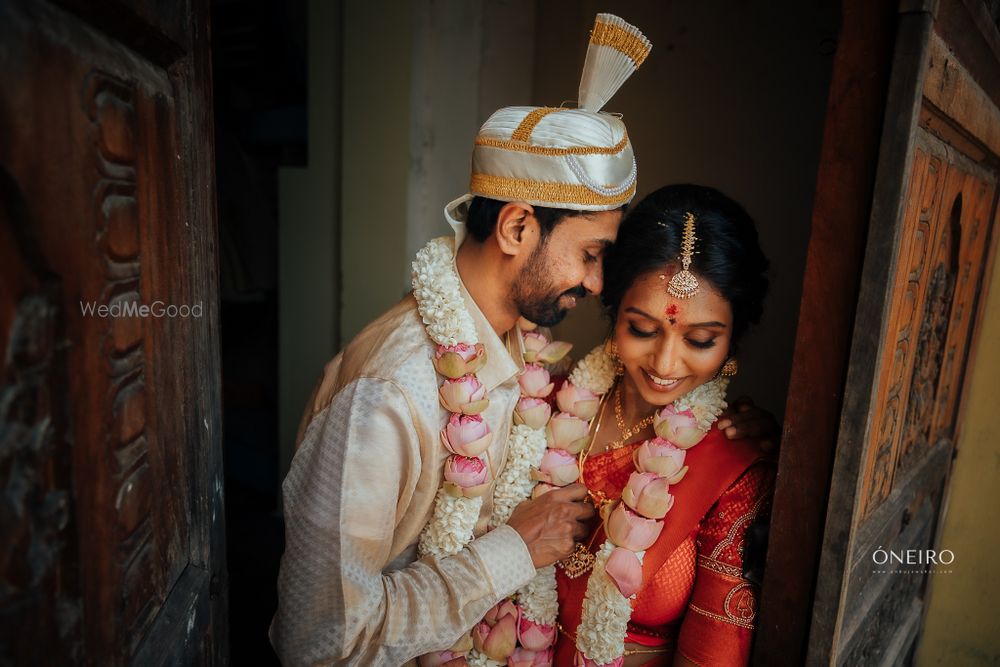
column 744, row 419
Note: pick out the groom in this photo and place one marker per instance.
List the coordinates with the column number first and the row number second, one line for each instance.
column 362, row 485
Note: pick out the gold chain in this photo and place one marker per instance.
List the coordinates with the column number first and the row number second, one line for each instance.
column 620, row 420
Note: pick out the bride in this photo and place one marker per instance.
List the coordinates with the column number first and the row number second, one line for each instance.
column 669, row 573
column 670, row 576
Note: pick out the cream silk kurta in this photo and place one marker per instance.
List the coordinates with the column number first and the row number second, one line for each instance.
column 362, row 486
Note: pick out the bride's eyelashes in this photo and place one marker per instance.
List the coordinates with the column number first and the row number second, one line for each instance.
column 639, row 333
column 699, row 344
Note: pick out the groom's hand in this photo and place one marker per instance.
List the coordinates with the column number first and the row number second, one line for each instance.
column 744, row 419
column 552, row 523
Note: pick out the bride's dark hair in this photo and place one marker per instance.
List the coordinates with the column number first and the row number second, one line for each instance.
column 727, row 254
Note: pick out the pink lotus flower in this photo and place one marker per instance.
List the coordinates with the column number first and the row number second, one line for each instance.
column 663, row 458
column 466, row 435
column 535, row 636
column 538, row 348
column 532, row 412
column 581, row 661
column 522, row 657
column 577, row 401
column 496, row 634
column 541, row 489
column 505, row 607
column 535, row 381
column 648, row 494
column 680, row 428
column 558, row 468
column 630, row 530
column 625, row 570
column 465, row 394
column 567, row 432
column 534, row 342
column 454, row 361
column 525, row 324
column 468, row 475
column 437, row 658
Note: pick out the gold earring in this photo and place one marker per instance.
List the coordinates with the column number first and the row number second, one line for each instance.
column 611, row 348
column 730, row 368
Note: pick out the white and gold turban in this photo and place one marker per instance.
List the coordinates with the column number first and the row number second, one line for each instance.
column 569, row 158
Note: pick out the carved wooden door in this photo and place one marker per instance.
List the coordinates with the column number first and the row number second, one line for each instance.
column 928, row 250
column 111, row 513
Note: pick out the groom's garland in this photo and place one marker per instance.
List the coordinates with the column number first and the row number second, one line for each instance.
column 530, row 621
column 542, row 455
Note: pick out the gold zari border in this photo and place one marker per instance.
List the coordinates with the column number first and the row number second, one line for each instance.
column 528, row 123
column 719, row 617
column 720, row 567
column 619, row 39
column 518, row 189
column 521, row 147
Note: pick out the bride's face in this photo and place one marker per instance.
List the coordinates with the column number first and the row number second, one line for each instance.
column 670, row 346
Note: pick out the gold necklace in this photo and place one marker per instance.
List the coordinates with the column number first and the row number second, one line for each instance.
column 620, row 420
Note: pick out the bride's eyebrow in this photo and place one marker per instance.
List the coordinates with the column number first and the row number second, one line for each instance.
column 636, row 311
column 698, row 325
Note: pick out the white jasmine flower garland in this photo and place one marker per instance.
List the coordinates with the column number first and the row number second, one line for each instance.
column 525, row 447
column 450, row 530
column 437, row 290
column 606, row 612
column 538, row 599
column 595, row 372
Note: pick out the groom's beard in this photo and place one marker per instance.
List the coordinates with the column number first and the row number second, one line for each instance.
column 534, row 295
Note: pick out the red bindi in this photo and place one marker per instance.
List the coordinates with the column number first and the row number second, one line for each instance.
column 673, row 309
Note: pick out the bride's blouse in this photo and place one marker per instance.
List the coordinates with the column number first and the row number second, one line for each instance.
column 698, row 601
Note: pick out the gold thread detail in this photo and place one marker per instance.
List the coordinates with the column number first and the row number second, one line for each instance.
column 523, row 147
column 528, row 123
column 719, row 617
column 619, row 39
column 720, row 567
column 519, row 189
column 730, row 537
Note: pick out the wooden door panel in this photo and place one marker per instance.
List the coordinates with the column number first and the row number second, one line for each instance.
column 926, row 334
column 110, row 154
column 912, row 338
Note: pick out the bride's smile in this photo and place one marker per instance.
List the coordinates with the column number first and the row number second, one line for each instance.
column 669, row 346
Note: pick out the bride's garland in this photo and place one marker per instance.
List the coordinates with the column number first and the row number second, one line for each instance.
column 522, row 628
column 634, row 523
column 542, row 455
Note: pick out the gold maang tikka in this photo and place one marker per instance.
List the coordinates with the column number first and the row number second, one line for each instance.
column 683, row 284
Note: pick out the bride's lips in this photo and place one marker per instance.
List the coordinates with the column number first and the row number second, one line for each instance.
column 656, row 386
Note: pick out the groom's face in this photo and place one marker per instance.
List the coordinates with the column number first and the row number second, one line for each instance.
column 566, row 266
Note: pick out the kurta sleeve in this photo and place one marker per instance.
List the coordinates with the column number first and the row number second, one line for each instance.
column 348, row 487
column 719, row 623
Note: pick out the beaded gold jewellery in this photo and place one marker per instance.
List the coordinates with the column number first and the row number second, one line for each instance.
column 683, row 284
